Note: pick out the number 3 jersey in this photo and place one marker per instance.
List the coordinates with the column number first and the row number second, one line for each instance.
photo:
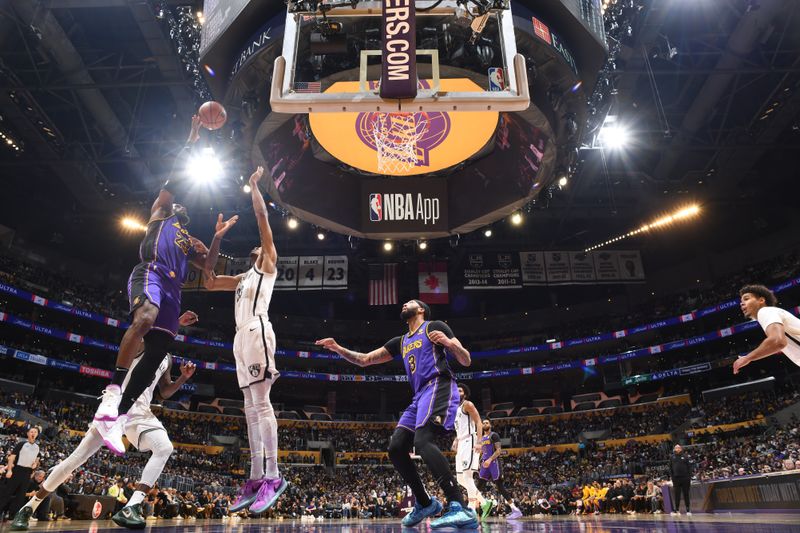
column 423, row 359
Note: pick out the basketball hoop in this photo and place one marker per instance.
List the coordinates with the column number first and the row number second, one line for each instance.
column 396, row 136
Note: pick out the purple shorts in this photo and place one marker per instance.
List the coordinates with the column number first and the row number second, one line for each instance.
column 436, row 402
column 492, row 473
column 147, row 283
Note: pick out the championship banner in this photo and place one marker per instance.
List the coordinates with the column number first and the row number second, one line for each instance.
column 606, row 266
column 533, row 268
column 557, row 267
column 581, row 266
column 492, row 271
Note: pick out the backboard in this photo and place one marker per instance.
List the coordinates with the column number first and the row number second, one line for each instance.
column 344, row 56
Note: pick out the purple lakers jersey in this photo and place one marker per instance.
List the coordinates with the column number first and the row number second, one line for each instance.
column 423, row 360
column 487, row 445
column 166, row 246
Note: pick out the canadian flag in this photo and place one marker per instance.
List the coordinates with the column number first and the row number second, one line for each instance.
column 433, row 283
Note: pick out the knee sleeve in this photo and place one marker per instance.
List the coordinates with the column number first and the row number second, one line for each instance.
column 158, row 443
column 401, row 443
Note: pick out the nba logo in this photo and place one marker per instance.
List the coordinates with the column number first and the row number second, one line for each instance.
column 375, row 208
column 497, row 81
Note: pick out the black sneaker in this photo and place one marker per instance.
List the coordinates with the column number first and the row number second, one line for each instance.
column 130, row 517
column 21, row 519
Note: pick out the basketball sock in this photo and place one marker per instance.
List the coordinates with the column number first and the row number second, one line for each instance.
column 137, row 497
column 400, row 446
column 156, row 344
column 119, row 376
column 34, row 503
column 267, row 425
column 253, row 437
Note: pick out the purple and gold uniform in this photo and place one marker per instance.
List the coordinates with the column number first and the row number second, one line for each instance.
column 435, row 390
column 487, row 450
column 164, row 262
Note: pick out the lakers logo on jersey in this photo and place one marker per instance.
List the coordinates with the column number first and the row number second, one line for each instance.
column 182, row 238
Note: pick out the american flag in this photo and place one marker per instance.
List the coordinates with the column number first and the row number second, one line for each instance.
column 307, row 86
column 383, row 284
column 541, row 30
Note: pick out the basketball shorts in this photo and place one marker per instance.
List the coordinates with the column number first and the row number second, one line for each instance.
column 138, row 425
column 254, row 352
column 492, row 473
column 436, row 402
column 466, row 456
column 148, row 283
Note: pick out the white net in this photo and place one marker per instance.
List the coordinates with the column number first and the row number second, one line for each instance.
column 396, row 136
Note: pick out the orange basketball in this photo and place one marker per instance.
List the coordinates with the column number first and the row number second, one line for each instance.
column 212, row 115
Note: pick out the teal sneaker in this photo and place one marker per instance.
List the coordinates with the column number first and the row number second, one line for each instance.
column 130, row 517
column 20, row 522
column 420, row 513
column 456, row 516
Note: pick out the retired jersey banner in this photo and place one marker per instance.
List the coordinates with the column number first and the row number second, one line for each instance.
column 492, row 271
column 433, row 283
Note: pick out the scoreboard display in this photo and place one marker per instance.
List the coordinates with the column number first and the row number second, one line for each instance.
column 219, row 15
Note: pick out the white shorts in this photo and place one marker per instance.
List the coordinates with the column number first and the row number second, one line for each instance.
column 138, row 425
column 466, row 457
column 254, row 352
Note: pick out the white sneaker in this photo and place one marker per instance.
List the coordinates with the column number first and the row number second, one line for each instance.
column 112, row 434
column 688, row 513
column 109, row 406
column 673, row 513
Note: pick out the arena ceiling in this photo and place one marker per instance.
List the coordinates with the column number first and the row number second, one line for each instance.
column 95, row 93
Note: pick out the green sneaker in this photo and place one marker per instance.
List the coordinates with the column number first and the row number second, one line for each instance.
column 130, row 517
column 20, row 522
column 486, row 509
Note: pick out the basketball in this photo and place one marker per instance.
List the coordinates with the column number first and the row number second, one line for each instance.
column 212, row 115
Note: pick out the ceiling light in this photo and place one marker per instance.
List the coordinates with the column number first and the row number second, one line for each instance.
column 516, row 219
column 423, row 245
column 292, row 223
column 246, row 188
column 487, row 232
column 387, row 246
column 613, row 137
column 562, row 182
column 321, row 236
column 205, row 167
column 132, row 224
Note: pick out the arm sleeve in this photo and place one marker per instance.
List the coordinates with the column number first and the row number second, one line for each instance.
column 17, row 450
column 495, row 438
column 394, row 347
column 438, row 325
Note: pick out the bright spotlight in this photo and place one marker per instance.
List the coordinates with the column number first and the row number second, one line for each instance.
column 562, row 182
column 292, row 223
column 423, row 245
column 516, row 219
column 131, row 224
column 205, row 167
column 387, row 246
column 487, row 233
column 613, row 137
column 246, row 188
column 321, row 236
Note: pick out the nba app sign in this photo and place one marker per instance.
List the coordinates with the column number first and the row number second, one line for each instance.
column 399, row 206
column 408, row 204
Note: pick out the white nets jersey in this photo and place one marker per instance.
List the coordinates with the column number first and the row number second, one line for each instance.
column 141, row 406
column 253, row 295
column 464, row 425
column 791, row 327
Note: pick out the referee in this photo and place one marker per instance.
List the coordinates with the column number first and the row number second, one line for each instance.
column 21, row 463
